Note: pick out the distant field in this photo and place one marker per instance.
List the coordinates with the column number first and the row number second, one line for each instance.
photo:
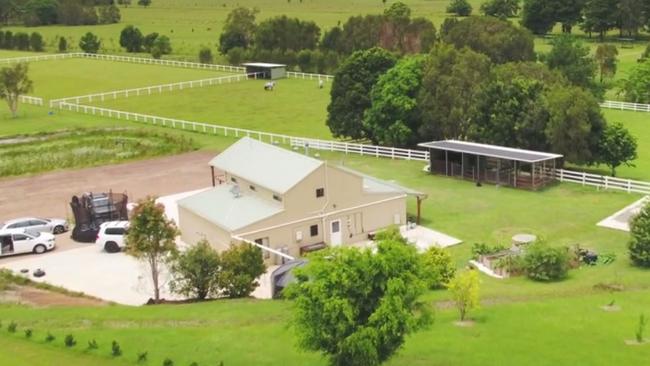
column 296, row 107
column 71, row 77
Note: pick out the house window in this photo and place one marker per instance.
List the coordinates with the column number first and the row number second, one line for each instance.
column 252, row 188
column 313, row 230
column 277, row 197
column 233, row 179
column 320, row 192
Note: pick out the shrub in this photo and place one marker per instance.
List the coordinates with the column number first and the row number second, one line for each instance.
column 21, row 41
column 438, row 267
column 36, row 42
column 639, row 245
column 240, row 266
column 28, row 333
column 205, row 55
column 69, row 341
column 92, row 344
column 142, row 357
column 49, row 337
column 479, row 249
column 11, row 328
column 63, row 44
column 196, row 271
column 459, row 7
column 545, row 263
column 116, row 351
column 168, row 362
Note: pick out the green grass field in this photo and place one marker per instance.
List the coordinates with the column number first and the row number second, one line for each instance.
column 72, row 77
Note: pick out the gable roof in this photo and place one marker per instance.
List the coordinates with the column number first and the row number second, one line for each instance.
column 266, row 165
column 222, row 208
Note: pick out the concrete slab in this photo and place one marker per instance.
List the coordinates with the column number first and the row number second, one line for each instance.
column 423, row 238
column 621, row 219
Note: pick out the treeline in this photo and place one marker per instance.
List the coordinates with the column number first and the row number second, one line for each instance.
column 67, row 12
column 21, row 41
column 297, row 42
column 481, row 83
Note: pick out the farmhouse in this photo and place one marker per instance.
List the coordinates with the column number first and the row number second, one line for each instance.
column 491, row 163
column 289, row 202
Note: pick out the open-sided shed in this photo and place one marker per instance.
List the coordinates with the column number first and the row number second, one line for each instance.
column 491, row 163
column 265, row 70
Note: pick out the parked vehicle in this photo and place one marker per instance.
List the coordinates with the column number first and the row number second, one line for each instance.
column 111, row 236
column 20, row 241
column 54, row 226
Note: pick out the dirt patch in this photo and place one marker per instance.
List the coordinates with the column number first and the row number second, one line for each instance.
column 465, row 323
column 634, row 342
column 27, row 295
column 611, row 308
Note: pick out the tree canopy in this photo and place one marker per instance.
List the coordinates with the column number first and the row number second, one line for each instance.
column 14, row 82
column 617, row 147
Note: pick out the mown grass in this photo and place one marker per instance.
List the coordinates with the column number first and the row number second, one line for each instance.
column 83, row 148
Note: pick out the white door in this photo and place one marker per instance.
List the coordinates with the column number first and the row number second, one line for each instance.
column 335, row 233
column 22, row 243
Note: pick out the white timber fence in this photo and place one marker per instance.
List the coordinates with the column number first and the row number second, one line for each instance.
column 308, row 76
column 56, row 56
column 153, row 61
column 148, row 90
column 31, row 100
column 625, row 106
column 603, row 181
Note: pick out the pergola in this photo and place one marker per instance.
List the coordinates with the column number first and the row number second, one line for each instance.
column 491, row 163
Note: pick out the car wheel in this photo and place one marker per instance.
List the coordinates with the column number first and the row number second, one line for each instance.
column 58, row 230
column 111, row 247
column 40, row 249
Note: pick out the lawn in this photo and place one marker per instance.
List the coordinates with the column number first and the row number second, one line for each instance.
column 84, row 148
column 76, row 76
column 296, row 107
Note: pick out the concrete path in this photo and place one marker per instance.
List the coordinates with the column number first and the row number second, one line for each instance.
column 621, row 219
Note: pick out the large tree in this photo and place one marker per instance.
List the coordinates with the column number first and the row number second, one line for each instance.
column 448, row 95
column 617, row 147
column 238, row 30
column 599, row 16
column 636, row 87
column 152, row 239
column 572, row 58
column 131, row 39
column 357, row 307
column 350, row 93
column 89, row 43
column 538, row 16
column 284, row 33
column 394, row 118
column 500, row 8
column 500, row 40
column 631, row 17
column 14, row 82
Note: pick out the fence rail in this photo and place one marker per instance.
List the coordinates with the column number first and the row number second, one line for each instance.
column 603, row 181
column 308, row 76
column 31, row 100
column 625, row 106
column 56, row 56
column 153, row 61
column 148, row 90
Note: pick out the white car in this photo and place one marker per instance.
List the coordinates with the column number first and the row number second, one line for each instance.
column 54, row 226
column 19, row 242
column 111, row 236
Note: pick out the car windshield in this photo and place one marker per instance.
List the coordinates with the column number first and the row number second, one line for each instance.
column 33, row 233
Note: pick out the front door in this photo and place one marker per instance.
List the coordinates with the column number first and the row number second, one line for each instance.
column 335, row 233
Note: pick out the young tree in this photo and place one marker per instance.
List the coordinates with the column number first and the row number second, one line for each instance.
column 500, row 8
column 606, row 58
column 195, row 272
column 636, row 87
column 462, row 8
column 63, row 44
column 639, row 244
column 205, row 55
column 394, row 118
column 89, row 43
column 438, row 267
column 464, row 290
column 350, row 93
column 14, row 82
column 36, row 42
column 144, row 3
column 131, row 39
column 161, row 46
column 241, row 265
column 238, row 30
column 356, row 307
column 151, row 238
column 617, row 147
column 571, row 57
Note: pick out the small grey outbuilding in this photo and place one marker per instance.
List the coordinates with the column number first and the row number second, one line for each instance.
column 266, row 70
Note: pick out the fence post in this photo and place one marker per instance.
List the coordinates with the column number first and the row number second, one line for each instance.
column 584, row 178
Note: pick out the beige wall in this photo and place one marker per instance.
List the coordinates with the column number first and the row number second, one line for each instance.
column 195, row 228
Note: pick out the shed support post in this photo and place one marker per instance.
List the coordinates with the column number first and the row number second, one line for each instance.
column 498, row 171
column 446, row 162
column 462, row 166
column 516, row 173
column 478, row 168
column 419, row 200
column 533, row 173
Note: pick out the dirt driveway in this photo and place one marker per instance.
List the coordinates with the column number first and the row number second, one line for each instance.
column 49, row 194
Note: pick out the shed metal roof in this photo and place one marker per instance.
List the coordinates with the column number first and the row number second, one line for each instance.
column 263, row 64
column 376, row 185
column 265, row 165
column 494, row 151
column 222, row 208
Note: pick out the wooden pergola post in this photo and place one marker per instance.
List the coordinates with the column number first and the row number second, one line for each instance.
column 419, row 201
column 212, row 173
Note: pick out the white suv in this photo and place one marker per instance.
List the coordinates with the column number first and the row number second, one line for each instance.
column 111, row 236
